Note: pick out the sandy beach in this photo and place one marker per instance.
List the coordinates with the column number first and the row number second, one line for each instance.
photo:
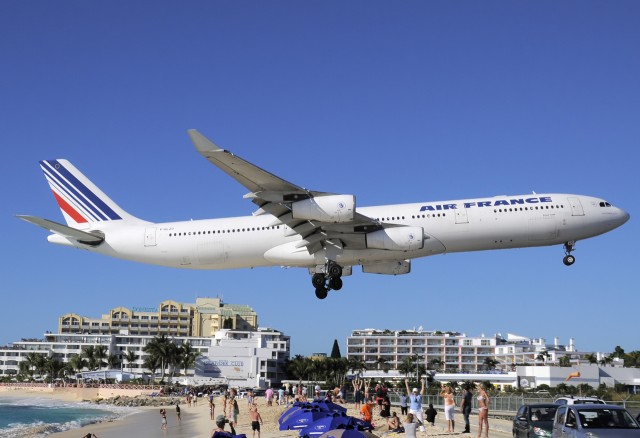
column 196, row 422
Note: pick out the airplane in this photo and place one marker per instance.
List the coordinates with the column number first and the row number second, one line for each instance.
column 327, row 233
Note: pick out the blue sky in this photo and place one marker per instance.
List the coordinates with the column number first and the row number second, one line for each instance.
column 391, row 101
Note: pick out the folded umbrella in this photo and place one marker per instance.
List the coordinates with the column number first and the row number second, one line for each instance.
column 302, row 418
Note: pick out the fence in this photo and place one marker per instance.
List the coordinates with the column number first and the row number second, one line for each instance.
column 507, row 406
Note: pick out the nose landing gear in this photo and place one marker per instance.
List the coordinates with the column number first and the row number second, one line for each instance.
column 568, row 259
column 328, row 280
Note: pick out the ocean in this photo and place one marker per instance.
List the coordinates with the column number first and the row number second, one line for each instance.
column 41, row 416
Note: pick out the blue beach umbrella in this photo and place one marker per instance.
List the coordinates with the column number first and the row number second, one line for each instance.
column 302, row 418
column 330, row 422
column 286, row 414
column 348, row 432
column 329, row 406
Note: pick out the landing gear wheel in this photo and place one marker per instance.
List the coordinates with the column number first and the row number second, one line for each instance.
column 321, row 293
column 335, row 283
column 568, row 260
column 317, row 280
column 335, row 270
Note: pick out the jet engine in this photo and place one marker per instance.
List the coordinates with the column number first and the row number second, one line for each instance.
column 396, row 239
column 330, row 208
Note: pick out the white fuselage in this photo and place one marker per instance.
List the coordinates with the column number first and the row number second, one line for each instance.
column 449, row 226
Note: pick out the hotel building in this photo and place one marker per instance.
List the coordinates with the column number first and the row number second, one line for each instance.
column 200, row 319
column 455, row 352
column 233, row 350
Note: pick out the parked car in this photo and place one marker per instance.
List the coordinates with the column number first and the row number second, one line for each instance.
column 534, row 420
column 570, row 400
column 594, row 420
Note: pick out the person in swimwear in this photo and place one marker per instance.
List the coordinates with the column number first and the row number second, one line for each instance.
column 483, row 410
column 449, row 407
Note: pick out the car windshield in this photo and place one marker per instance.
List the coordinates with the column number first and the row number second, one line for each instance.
column 545, row 413
column 606, row 419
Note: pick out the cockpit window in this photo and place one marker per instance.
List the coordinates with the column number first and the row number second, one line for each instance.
column 604, row 204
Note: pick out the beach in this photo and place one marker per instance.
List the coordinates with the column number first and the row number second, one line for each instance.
column 196, row 422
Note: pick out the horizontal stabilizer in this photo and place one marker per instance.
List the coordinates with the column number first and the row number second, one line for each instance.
column 65, row 231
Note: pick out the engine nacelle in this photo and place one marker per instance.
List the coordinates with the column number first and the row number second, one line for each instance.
column 330, row 208
column 388, row 268
column 396, row 239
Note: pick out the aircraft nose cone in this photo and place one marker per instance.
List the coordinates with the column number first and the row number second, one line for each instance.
column 624, row 217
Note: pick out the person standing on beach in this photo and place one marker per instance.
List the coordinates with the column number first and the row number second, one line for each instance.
column 449, row 407
column 466, row 408
column 404, row 408
column 178, row 411
column 357, row 392
column 281, row 396
column 256, row 420
column 212, row 409
column 163, row 417
column 483, row 410
column 232, row 409
column 269, row 395
column 415, row 405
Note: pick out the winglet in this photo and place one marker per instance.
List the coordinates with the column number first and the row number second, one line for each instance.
column 202, row 143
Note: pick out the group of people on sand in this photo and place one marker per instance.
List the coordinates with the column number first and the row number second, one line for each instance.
column 411, row 407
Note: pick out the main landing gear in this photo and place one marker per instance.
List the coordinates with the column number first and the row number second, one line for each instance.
column 328, row 280
column 568, row 259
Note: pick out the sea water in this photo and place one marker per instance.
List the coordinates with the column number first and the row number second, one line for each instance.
column 41, row 416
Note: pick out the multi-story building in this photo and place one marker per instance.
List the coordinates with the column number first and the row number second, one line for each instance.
column 444, row 350
column 455, row 352
column 203, row 318
column 232, row 348
column 245, row 358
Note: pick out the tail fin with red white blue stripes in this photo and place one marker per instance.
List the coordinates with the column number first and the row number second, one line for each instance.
column 82, row 203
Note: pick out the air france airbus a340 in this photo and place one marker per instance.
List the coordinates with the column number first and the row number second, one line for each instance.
column 324, row 232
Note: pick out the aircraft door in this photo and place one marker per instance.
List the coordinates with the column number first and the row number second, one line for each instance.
column 150, row 237
column 461, row 215
column 576, row 206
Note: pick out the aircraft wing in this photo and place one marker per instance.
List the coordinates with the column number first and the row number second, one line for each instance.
column 274, row 195
column 65, row 231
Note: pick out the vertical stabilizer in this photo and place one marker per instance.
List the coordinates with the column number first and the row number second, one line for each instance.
column 82, row 203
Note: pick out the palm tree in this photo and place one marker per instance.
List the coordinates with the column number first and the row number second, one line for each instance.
column 382, row 363
column 101, row 354
column 113, row 361
column 564, row 361
column 435, row 364
column 36, row 362
column 543, row 356
column 606, row 360
column 24, row 370
column 89, row 353
column 299, row 366
column 151, row 363
column 54, row 366
column 357, row 365
column 163, row 349
column 591, row 358
column 188, row 356
column 490, row 363
column 406, row 366
column 130, row 356
column 76, row 363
